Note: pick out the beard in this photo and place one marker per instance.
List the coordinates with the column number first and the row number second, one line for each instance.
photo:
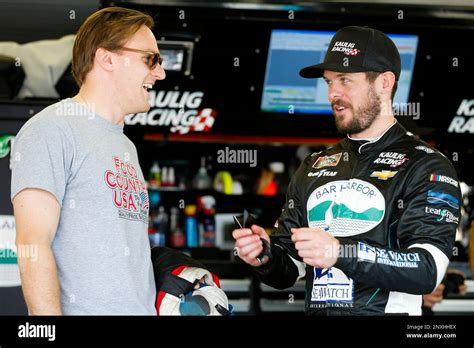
column 362, row 117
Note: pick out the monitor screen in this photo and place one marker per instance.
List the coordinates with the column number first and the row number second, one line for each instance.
column 290, row 50
column 172, row 58
column 177, row 55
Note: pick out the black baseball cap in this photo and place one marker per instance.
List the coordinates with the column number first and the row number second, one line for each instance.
column 357, row 49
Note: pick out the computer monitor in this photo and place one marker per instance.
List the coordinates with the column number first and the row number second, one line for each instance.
column 290, row 50
column 177, row 56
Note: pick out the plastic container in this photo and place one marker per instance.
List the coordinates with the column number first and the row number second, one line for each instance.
column 191, row 227
column 160, row 225
column 164, row 177
column 206, row 221
column 176, row 235
column 202, row 180
column 278, row 168
column 155, row 175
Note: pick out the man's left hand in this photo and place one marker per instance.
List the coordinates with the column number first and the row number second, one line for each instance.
column 316, row 247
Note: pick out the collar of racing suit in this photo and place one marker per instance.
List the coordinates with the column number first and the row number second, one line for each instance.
column 389, row 136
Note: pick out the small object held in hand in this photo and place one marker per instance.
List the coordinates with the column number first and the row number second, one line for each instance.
column 246, row 220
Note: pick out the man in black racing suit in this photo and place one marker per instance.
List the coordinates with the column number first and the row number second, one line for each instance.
column 371, row 221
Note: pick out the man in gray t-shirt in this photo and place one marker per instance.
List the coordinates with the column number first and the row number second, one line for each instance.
column 78, row 191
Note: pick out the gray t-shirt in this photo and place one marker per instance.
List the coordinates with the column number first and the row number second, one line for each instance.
column 101, row 244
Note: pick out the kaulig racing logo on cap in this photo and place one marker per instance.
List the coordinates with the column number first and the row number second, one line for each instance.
column 346, row 207
column 463, row 122
column 348, row 48
column 178, row 110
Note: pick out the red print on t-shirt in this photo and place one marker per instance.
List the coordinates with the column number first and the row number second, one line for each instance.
column 130, row 195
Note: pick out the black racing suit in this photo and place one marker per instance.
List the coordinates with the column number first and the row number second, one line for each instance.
column 393, row 204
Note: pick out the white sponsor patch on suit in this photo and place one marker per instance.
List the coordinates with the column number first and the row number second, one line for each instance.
column 331, row 288
column 345, row 207
column 365, row 252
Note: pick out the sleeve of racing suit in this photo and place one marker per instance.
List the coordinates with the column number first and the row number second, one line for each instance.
column 285, row 267
column 416, row 260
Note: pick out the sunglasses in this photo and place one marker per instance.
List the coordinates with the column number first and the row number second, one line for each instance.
column 153, row 58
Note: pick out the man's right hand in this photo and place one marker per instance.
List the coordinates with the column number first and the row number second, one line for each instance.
column 248, row 244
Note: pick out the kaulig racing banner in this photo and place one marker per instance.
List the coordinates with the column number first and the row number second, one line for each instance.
column 179, row 110
column 463, row 121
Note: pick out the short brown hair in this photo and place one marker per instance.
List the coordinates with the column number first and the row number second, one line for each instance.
column 372, row 75
column 108, row 28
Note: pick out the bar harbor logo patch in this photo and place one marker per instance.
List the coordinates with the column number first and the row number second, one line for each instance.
column 346, row 207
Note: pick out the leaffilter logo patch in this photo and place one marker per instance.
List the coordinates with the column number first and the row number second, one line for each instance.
column 346, row 207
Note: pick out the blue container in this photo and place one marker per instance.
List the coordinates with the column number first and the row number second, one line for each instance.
column 191, row 232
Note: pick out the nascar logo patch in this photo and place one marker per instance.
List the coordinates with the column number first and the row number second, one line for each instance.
column 443, row 178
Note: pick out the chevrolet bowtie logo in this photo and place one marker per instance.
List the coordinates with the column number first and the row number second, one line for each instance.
column 383, row 175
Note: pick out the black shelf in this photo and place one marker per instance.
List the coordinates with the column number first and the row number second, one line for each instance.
column 270, row 205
